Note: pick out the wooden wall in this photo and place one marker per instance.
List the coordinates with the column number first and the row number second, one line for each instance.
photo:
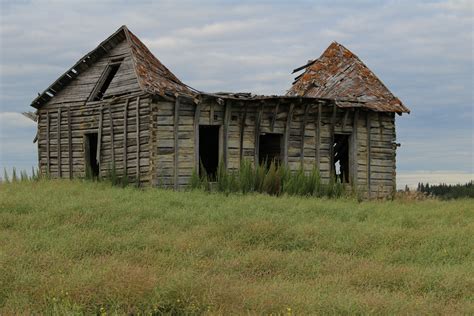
column 123, row 124
column 167, row 152
column 116, row 124
column 307, row 130
column 125, row 81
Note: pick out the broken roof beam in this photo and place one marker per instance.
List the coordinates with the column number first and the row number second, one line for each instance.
column 297, row 78
column 304, row 66
column 31, row 115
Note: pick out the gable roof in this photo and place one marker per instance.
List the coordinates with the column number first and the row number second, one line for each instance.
column 339, row 74
column 153, row 77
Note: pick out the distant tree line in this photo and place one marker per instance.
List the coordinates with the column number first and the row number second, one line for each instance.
column 446, row 191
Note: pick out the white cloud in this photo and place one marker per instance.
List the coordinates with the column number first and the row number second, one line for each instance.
column 227, row 28
column 167, row 42
column 12, row 120
column 20, row 69
column 460, row 6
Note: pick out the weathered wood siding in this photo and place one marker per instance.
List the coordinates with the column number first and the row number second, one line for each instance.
column 309, row 138
column 116, row 122
column 80, row 88
column 379, row 158
column 165, row 137
column 78, row 119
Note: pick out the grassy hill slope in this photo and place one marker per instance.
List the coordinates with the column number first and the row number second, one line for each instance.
column 91, row 248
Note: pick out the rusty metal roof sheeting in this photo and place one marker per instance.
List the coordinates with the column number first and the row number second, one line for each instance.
column 153, row 76
column 339, row 74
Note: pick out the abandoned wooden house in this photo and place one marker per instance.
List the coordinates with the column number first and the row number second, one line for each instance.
column 118, row 106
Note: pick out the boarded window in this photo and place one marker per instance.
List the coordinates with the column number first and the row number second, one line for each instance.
column 341, row 157
column 209, row 150
column 105, row 80
column 270, row 148
column 90, row 155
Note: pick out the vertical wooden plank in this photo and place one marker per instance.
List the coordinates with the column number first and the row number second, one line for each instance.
column 48, row 155
column 197, row 115
column 379, row 117
column 355, row 149
column 394, row 155
column 331, row 141
column 211, row 113
column 125, row 138
column 344, row 120
column 368, row 124
column 58, row 128
column 176, row 142
column 125, row 134
column 138, row 141
column 275, row 113
column 99, row 138
column 87, row 148
column 152, row 144
column 38, row 151
column 112, row 135
column 227, row 115
column 242, row 130
column 69, row 141
column 318, row 137
column 289, row 118
column 258, row 121
column 303, row 131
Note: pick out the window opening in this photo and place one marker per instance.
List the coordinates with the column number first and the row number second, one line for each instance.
column 105, row 80
column 270, row 148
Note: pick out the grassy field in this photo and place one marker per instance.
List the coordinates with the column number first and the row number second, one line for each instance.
column 81, row 247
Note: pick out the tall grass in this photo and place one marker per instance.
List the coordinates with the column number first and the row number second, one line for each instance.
column 111, row 176
column 274, row 179
column 88, row 248
column 22, row 175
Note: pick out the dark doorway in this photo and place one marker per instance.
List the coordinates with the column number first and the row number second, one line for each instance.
column 269, row 148
column 90, row 155
column 209, row 149
column 341, row 157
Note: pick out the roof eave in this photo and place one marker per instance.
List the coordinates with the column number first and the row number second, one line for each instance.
column 82, row 64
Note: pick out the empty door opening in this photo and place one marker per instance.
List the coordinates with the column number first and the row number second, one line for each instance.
column 341, row 157
column 269, row 148
column 209, row 150
column 90, row 153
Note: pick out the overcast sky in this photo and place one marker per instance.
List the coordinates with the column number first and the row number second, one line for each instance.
column 421, row 50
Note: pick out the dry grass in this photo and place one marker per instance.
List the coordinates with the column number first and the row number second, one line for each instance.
column 78, row 247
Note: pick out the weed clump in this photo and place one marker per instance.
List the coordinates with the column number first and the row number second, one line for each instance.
column 23, row 176
column 272, row 179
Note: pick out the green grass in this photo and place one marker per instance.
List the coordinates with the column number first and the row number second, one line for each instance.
column 81, row 247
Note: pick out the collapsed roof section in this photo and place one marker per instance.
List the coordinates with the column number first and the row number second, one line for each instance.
column 153, row 77
column 339, row 74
